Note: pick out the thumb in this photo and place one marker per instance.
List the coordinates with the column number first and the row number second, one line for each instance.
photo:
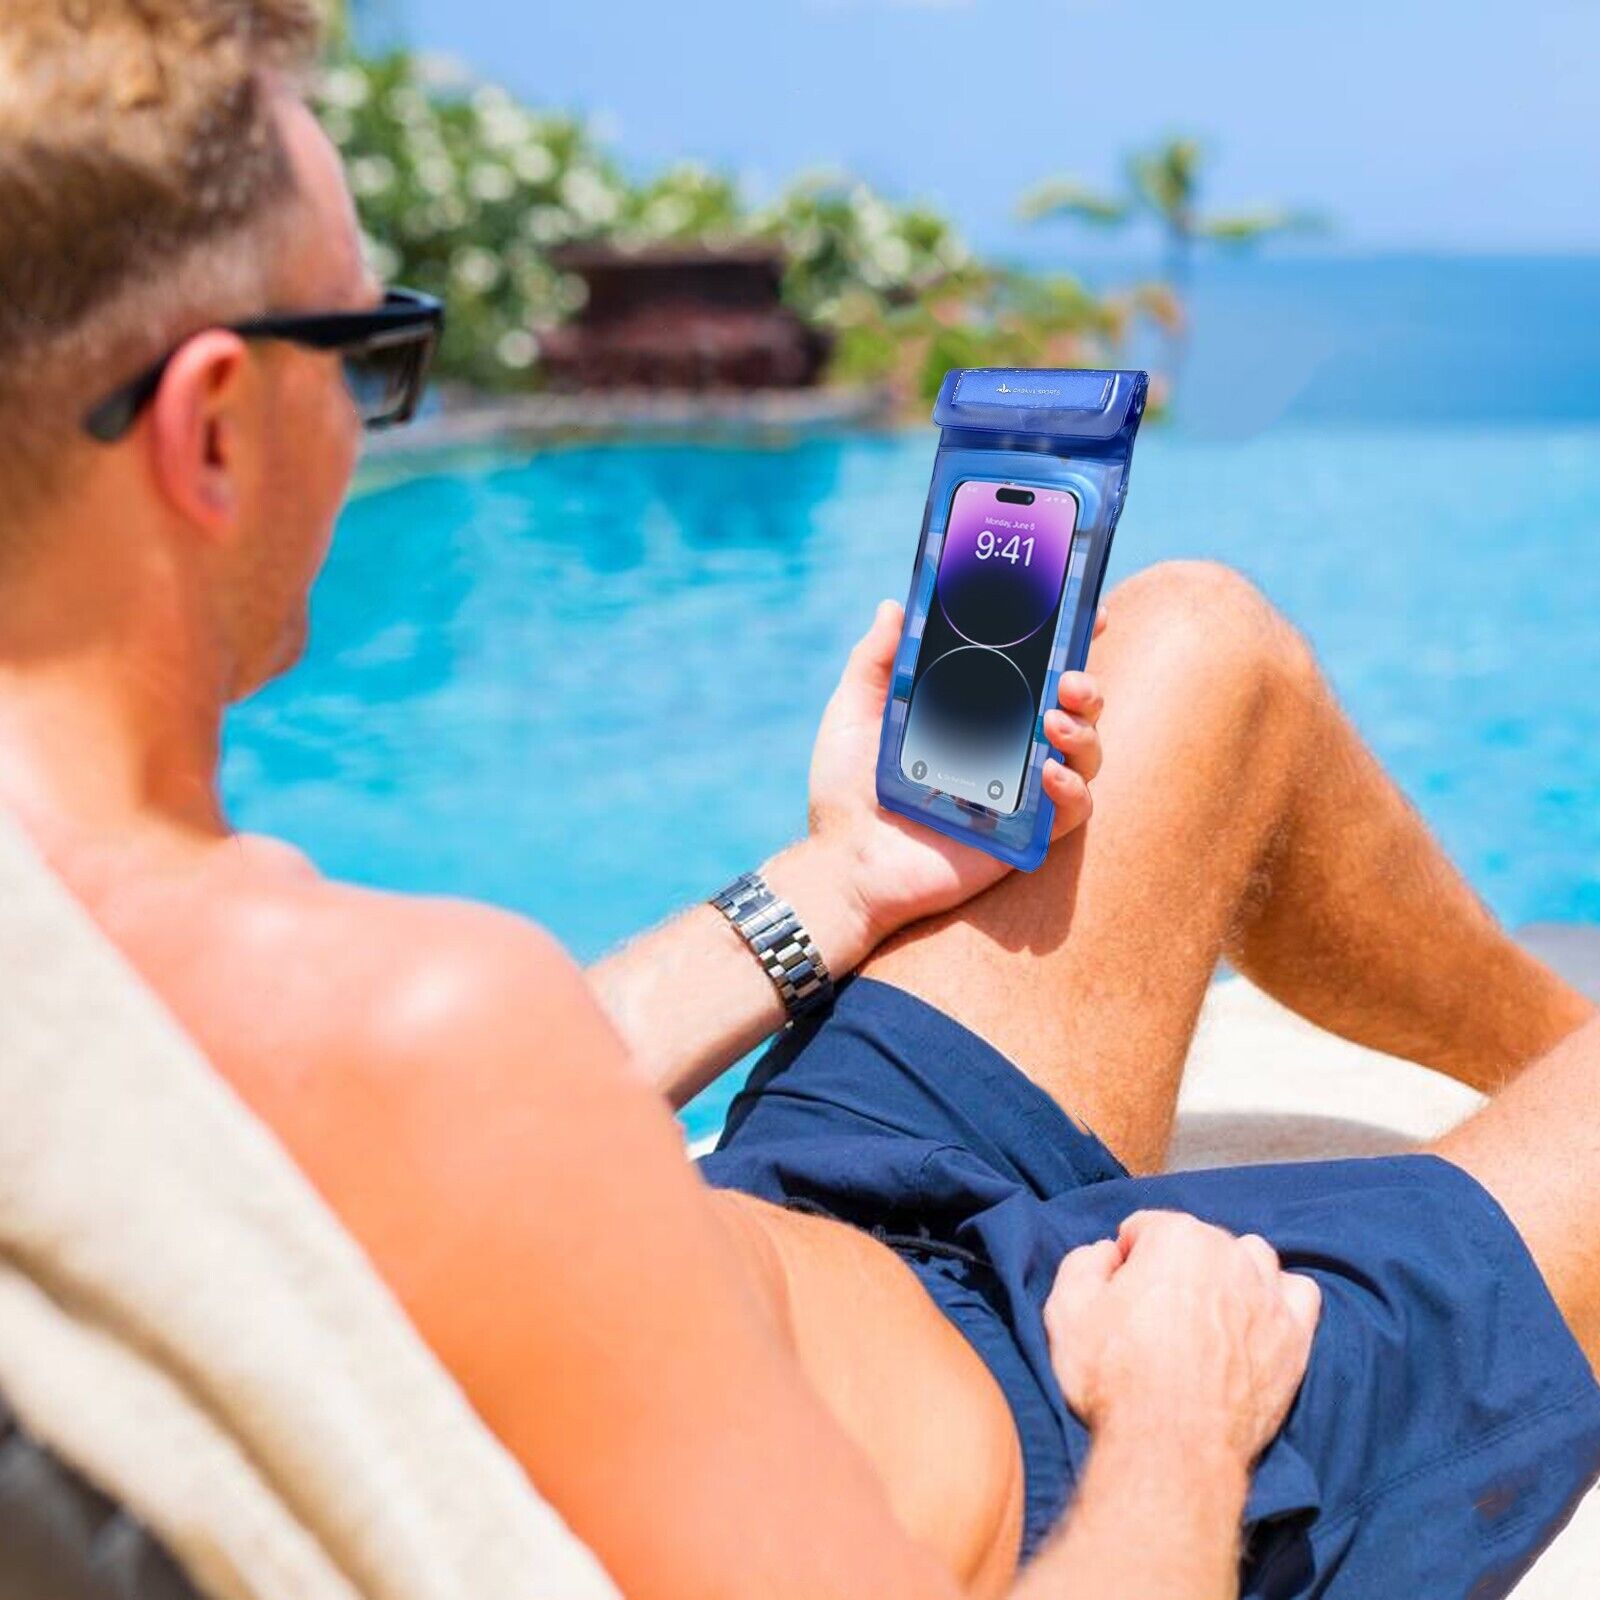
column 872, row 661
column 1302, row 1296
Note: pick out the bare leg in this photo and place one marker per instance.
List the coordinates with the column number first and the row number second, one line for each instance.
column 1536, row 1149
column 1238, row 814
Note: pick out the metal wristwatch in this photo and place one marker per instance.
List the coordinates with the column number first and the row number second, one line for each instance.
column 787, row 953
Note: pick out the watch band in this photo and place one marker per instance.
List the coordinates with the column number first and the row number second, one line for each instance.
column 787, row 953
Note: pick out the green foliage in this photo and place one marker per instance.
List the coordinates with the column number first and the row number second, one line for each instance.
column 843, row 241
column 466, row 193
column 978, row 319
column 1162, row 184
column 1165, row 179
column 1263, row 222
column 463, row 192
column 688, row 203
column 1066, row 197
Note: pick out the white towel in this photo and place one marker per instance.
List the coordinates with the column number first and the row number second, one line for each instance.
column 183, row 1321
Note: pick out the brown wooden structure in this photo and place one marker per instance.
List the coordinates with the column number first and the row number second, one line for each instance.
column 682, row 318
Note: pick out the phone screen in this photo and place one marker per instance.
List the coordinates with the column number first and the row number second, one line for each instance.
column 986, row 645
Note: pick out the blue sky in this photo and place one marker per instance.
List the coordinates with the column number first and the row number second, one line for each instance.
column 1462, row 126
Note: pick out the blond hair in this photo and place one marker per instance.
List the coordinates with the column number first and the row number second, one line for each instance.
column 139, row 159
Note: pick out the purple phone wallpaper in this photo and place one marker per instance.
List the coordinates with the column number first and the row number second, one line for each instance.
column 986, row 647
column 1003, row 564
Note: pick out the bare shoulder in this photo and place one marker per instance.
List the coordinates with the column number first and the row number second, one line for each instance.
column 324, row 1000
column 457, row 970
column 425, row 1059
column 413, row 970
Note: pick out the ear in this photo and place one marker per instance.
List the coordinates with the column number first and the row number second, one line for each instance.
column 201, row 429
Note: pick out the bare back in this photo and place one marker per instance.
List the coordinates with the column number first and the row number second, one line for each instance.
column 442, row 1074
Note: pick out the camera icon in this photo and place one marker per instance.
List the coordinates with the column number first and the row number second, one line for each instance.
column 996, row 788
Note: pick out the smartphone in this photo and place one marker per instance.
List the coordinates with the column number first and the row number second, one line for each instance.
column 982, row 669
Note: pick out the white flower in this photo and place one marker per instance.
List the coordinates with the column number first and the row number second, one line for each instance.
column 534, row 164
column 383, row 259
column 407, row 103
column 422, row 143
column 345, row 87
column 438, row 70
column 338, row 125
column 491, row 97
column 872, row 216
column 547, row 225
column 666, row 215
column 490, row 181
column 474, row 269
column 448, row 213
column 892, row 257
column 503, row 127
column 517, row 349
column 436, row 175
column 588, row 195
column 371, row 175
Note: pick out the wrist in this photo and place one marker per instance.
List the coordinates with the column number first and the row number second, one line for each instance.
column 1189, row 1504
column 1211, row 1469
column 820, row 880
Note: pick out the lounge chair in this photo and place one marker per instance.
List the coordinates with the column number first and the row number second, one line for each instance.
column 187, row 1329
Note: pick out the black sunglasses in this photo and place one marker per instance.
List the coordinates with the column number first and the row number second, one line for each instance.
column 386, row 351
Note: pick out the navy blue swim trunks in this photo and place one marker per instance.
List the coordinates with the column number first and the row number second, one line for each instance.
column 1448, row 1424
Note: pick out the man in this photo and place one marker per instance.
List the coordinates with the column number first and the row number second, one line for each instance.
column 732, row 1393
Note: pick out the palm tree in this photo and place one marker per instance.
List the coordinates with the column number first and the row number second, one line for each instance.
column 1163, row 184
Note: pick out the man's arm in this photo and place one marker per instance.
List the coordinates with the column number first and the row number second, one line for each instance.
column 1182, row 1348
column 529, row 1203
column 689, row 998
column 1152, row 1521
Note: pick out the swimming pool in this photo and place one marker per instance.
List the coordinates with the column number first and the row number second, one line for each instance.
column 584, row 685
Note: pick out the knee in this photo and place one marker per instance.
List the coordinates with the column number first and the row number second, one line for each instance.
column 1206, row 616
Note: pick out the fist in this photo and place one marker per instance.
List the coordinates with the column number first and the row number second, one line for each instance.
column 1180, row 1328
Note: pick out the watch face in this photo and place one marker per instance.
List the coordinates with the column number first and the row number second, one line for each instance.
column 985, row 652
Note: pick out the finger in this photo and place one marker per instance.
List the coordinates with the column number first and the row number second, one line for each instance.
column 1262, row 1257
column 1141, row 1225
column 1069, row 794
column 1102, row 620
column 1083, row 1273
column 1077, row 741
column 1079, row 693
column 872, row 660
column 1303, row 1298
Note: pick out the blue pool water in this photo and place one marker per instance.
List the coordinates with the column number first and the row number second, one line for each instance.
column 584, row 685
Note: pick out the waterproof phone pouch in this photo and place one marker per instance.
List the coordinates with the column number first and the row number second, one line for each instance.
column 1028, row 483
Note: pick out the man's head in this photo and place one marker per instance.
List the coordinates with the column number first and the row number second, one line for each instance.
column 159, row 179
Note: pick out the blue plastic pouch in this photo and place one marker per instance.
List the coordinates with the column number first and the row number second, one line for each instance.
column 1028, row 483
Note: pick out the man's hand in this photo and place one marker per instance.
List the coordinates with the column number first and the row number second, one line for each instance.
column 1182, row 1347
column 689, row 999
column 898, row 870
column 1184, row 1333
